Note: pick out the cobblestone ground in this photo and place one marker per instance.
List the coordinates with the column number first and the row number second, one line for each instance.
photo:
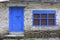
column 44, row 39
column 36, row 39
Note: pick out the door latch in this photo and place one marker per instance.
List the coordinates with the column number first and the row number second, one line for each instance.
column 17, row 16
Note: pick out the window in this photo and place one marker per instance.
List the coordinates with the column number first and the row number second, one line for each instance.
column 36, row 21
column 43, row 21
column 44, row 17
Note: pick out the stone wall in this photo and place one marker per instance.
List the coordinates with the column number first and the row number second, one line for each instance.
column 29, row 7
column 41, row 6
column 3, row 19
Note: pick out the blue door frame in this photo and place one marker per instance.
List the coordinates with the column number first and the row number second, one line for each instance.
column 16, row 19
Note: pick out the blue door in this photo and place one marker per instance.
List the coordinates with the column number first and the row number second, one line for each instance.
column 16, row 19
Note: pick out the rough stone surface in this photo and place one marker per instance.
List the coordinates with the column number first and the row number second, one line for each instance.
column 42, row 39
column 42, row 34
column 42, row 6
column 3, row 19
column 29, row 7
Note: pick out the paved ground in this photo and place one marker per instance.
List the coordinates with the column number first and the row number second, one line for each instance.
column 36, row 39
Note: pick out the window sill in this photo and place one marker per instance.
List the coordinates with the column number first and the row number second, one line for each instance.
column 46, row 28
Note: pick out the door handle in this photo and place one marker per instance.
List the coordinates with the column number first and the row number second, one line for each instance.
column 17, row 16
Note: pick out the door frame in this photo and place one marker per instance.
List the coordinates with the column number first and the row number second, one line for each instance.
column 9, row 19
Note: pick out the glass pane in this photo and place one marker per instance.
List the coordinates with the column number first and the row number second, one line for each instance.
column 43, row 22
column 36, row 15
column 36, row 21
column 43, row 15
column 51, row 21
column 50, row 15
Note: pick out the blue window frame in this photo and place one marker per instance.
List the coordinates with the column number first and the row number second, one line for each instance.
column 44, row 17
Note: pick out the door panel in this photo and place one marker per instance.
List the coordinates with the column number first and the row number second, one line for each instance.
column 16, row 19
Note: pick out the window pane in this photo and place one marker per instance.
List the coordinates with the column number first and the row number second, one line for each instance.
column 43, row 22
column 36, row 21
column 36, row 15
column 51, row 21
column 50, row 15
column 43, row 15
